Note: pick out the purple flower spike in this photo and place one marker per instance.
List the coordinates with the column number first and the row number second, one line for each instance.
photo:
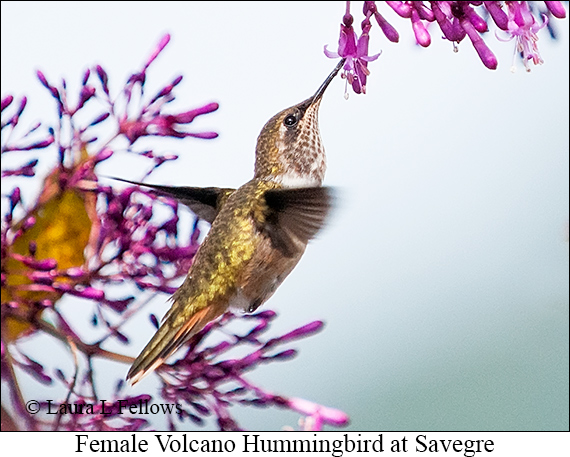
column 154, row 321
column 259, row 328
column 499, row 16
column 120, row 306
column 23, row 103
column 166, row 124
column 39, row 145
column 6, row 101
column 447, row 22
column 355, row 69
column 29, row 222
column 166, row 90
column 320, row 414
column 422, row 35
column 424, row 12
column 91, row 293
column 390, row 32
column 477, row 21
column 36, row 370
column 15, row 198
column 86, row 77
column 268, row 315
column 285, row 355
column 42, row 277
column 86, row 93
column 103, row 77
column 203, row 135
column 42, row 79
column 187, row 117
column 347, row 41
column 25, row 170
column 46, row 303
column 103, row 155
column 307, row 329
column 53, row 90
column 160, row 46
column 556, row 9
column 75, row 272
column 485, row 54
column 403, row 9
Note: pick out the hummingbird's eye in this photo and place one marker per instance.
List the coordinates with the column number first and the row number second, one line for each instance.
column 290, row 120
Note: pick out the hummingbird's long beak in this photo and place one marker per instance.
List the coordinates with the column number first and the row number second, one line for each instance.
column 318, row 95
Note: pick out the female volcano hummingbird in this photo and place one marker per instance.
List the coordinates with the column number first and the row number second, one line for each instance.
column 258, row 234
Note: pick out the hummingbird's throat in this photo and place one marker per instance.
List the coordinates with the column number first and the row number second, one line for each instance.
column 301, row 155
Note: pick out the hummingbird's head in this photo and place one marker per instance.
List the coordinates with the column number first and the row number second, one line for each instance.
column 289, row 147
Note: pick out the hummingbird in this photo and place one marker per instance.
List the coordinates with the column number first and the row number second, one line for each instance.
column 258, row 232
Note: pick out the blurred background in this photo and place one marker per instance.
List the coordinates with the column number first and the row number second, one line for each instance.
column 443, row 274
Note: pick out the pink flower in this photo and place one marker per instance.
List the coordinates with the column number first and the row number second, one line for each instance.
column 523, row 27
column 355, row 69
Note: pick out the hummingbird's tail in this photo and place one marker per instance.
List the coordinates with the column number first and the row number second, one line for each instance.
column 169, row 337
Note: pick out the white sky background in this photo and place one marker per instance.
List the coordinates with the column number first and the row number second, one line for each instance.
column 443, row 275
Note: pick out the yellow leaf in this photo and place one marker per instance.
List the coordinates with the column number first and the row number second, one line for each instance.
column 64, row 221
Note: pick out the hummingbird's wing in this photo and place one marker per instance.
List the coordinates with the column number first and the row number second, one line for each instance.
column 205, row 202
column 294, row 216
column 256, row 217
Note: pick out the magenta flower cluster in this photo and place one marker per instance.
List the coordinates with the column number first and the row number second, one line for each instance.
column 455, row 19
column 130, row 247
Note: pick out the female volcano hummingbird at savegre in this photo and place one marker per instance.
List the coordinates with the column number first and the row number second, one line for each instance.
column 258, row 234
